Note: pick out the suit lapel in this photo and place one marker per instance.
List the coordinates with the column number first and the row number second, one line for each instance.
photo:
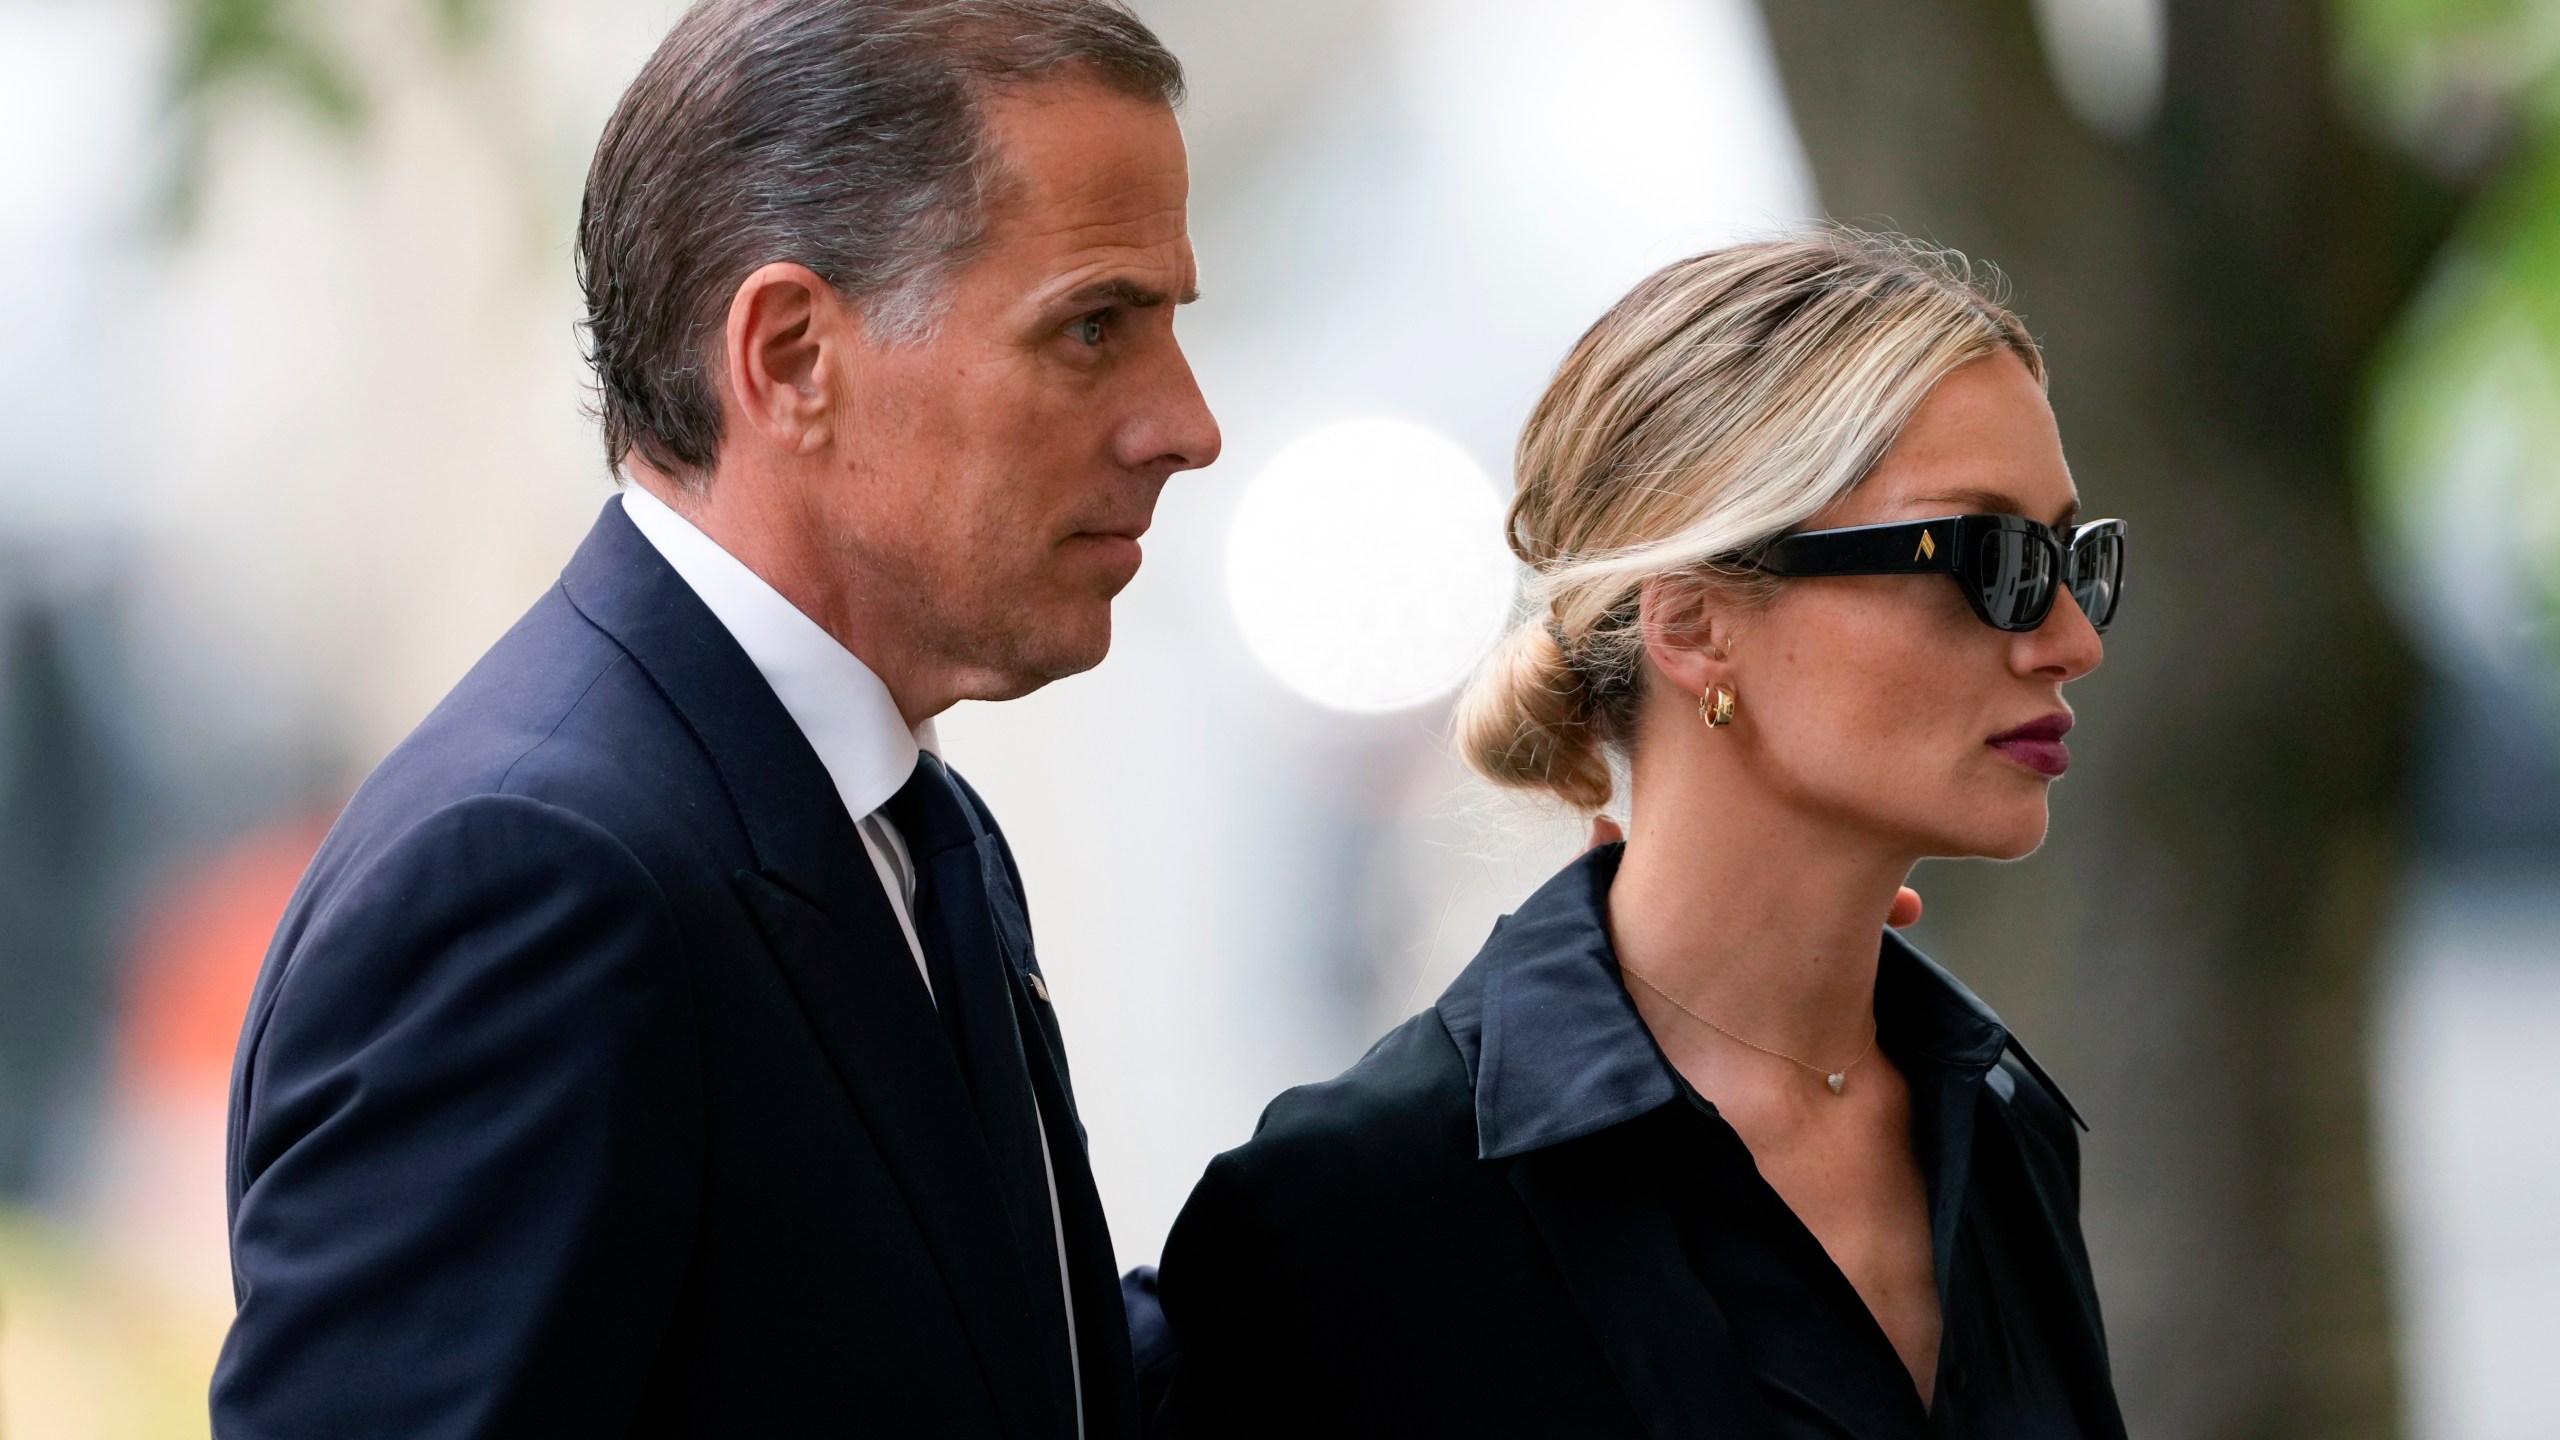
column 1102, row 1322
column 1612, row 1235
column 882, row 1037
column 828, row 923
column 955, row 924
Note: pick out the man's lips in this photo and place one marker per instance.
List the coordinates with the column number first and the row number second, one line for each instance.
column 1132, row 531
column 1120, row 545
column 2038, row 744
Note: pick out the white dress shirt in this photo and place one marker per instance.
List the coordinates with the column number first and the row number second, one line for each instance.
column 848, row 717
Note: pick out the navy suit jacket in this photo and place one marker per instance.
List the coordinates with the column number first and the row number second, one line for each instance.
column 590, row 1088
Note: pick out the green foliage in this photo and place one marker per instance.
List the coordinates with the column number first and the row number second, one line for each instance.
column 284, row 48
column 263, row 42
column 2464, row 448
column 463, row 22
column 2410, row 50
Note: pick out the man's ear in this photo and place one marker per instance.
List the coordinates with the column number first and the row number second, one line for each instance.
column 785, row 356
column 1685, row 630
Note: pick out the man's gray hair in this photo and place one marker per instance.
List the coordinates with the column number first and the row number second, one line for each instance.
column 844, row 135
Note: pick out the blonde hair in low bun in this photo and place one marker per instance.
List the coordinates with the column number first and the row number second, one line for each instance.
column 1540, row 737
column 1729, row 398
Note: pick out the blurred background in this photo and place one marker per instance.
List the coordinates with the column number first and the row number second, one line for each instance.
column 291, row 428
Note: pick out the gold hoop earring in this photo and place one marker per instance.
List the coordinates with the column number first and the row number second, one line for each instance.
column 1717, row 705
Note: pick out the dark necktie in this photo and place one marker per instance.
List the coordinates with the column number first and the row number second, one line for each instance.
column 969, row 922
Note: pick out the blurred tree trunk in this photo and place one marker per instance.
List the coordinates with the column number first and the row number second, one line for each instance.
column 2194, row 952
column 59, row 783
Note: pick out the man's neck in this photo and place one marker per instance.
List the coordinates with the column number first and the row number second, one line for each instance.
column 783, row 543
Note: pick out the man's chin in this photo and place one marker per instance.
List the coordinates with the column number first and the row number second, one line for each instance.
column 1034, row 659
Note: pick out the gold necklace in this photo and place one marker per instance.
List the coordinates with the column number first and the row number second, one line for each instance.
column 1838, row 1079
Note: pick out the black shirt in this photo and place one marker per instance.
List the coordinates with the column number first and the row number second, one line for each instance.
column 1515, row 1218
column 1813, row 1346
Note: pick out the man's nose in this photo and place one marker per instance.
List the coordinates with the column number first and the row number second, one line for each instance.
column 1171, row 429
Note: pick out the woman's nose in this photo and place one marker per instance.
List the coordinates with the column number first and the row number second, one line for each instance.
column 2066, row 646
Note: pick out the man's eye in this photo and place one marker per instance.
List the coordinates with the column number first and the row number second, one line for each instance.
column 1092, row 329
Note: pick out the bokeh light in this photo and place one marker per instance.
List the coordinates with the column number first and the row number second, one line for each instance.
column 1366, row 567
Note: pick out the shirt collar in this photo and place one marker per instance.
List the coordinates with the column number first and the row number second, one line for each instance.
column 844, row 710
column 1558, row 1051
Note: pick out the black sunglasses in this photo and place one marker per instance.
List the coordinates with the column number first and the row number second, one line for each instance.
column 2009, row 567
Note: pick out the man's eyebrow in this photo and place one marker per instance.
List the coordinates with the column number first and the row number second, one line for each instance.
column 1992, row 502
column 1126, row 292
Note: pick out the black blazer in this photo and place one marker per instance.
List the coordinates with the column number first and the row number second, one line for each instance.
column 590, row 1088
column 1513, row 1218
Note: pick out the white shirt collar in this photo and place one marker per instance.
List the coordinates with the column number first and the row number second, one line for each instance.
column 839, row 704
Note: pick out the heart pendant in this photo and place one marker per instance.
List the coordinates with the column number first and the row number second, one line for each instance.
column 1837, row 1082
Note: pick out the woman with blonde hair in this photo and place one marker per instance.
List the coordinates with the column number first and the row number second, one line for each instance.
column 1697, row 1146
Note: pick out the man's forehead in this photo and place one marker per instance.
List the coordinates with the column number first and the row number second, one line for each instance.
column 1160, row 235
column 1095, row 185
column 1080, row 146
column 1070, row 249
column 1099, row 262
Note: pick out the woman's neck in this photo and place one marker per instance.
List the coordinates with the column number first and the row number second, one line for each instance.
column 1753, row 917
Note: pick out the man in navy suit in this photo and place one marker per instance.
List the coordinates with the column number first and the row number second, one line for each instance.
column 656, row 1047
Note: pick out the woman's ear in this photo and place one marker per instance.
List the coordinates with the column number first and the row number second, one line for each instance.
column 1685, row 630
